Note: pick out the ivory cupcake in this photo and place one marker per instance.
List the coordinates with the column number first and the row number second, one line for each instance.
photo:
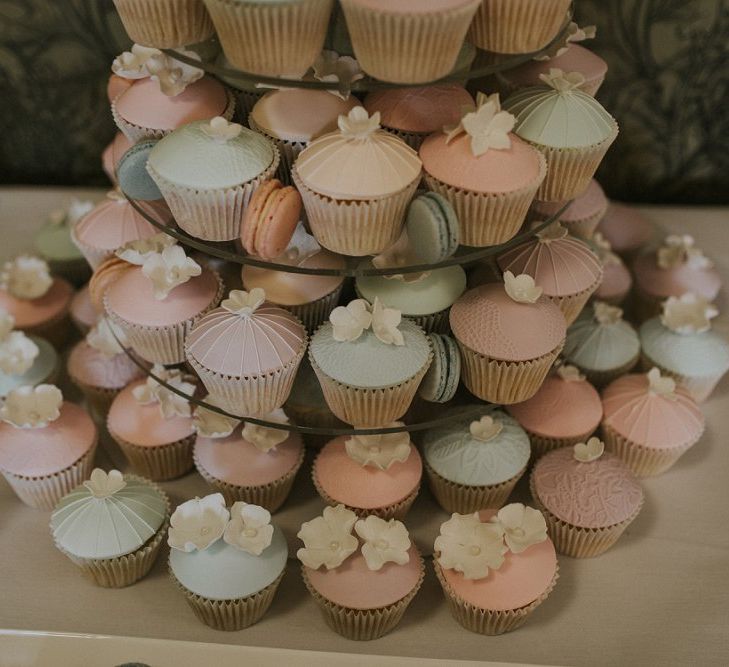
column 495, row 568
column 82, row 311
column 681, row 344
column 356, row 184
column 583, row 214
column 111, row 527
column 255, row 464
column 566, row 269
column 369, row 362
column 509, row 337
column 625, row 229
column 602, row 344
column 47, row 446
column 370, row 474
column 616, row 279
column 473, row 464
column 362, row 586
column 228, row 564
column 487, row 173
column 569, row 127
column 153, row 425
column 649, row 422
column 566, row 410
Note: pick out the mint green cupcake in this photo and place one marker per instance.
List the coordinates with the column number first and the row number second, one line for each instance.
column 44, row 369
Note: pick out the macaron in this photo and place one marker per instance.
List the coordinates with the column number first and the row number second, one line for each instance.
column 432, row 227
column 132, row 175
column 270, row 219
column 441, row 381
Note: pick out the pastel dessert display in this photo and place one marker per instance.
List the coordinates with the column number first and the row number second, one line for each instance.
column 362, row 583
column 157, row 301
column 208, row 202
column 153, row 425
column 370, row 474
column 588, row 497
column 432, row 229
column 82, row 311
column 649, row 422
column 475, row 462
column 626, row 229
column 441, row 381
column 616, row 278
column 566, row 410
column 682, row 345
column 583, row 214
column 111, row 527
column 509, row 336
column 47, row 445
column 356, row 184
column 570, row 128
column 495, row 567
column 256, row 464
column 677, row 266
column 602, row 344
column 408, row 41
column 566, row 268
column 113, row 153
column 131, row 172
column 227, row 563
column 369, row 361
column 415, row 112
column 247, row 352
column 487, row 173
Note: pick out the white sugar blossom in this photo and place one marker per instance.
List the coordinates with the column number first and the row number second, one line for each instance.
column 221, row 130
column 169, row 269
column 26, row 277
column 7, row 323
column 105, row 337
column 523, row 526
column 574, row 34
column 679, row 249
column 562, row 81
column 469, row 546
column 249, row 529
column 328, row 539
column 488, row 126
column 17, row 353
column 102, row 484
column 521, row 288
column 358, row 125
column 266, row 438
column 198, row 523
column 211, row 424
column 588, row 451
column 32, row 407
column 570, row 373
column 661, row 385
column 137, row 252
column 385, row 323
column 242, row 303
column 552, row 232
column 606, row 314
column 333, row 68
column 486, row 428
column 170, row 403
column 688, row 314
column 350, row 321
column 379, row 450
column 172, row 75
column 383, row 541
column 133, row 64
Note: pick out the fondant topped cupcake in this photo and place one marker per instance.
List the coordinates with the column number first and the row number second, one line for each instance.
column 616, row 278
column 53, row 241
column 592, row 203
column 24, row 360
column 625, row 228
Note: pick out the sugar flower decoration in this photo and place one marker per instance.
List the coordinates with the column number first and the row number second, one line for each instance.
column 105, row 337
column 242, row 303
column 471, row 547
column 688, row 314
column 211, row 424
column 69, row 216
column 588, row 451
column 604, row 249
column 17, row 351
column 103, row 485
column 221, row 130
column 398, row 254
column 350, row 321
column 379, row 450
column 561, row 81
column 7, row 322
column 488, row 126
column 574, row 34
column 133, row 64
column 333, row 68
column 198, row 523
column 521, row 288
column 606, row 314
column 358, row 125
column 485, row 429
column 661, row 385
column 328, row 539
column 553, row 232
column 32, row 407
column 570, row 373
column 170, row 403
column 172, row 75
column 137, row 252
column 249, row 529
column 169, row 269
column 383, row 542
column 680, row 249
column 266, row 438
column 26, row 277
column 523, row 526
column 385, row 323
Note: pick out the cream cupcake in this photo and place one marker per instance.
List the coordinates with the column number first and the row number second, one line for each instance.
column 165, row 24
column 583, row 214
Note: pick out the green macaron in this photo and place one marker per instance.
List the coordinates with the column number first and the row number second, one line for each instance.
column 441, row 381
column 132, row 173
column 432, row 227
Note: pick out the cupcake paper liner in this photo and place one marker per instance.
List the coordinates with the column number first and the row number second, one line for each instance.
column 583, row 228
column 246, row 100
column 230, row 614
column 213, row 214
column 489, row 219
column 571, row 305
column 600, row 379
column 698, row 387
column 407, row 48
column 165, row 24
column 454, row 497
column 363, row 624
column 356, row 227
column 541, row 445
column 288, row 150
column 434, row 323
column 44, row 492
column 271, row 38
column 488, row 621
column 315, row 313
column 413, row 139
column 504, row 382
column 93, row 255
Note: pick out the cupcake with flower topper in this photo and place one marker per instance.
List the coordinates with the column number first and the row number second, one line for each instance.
column 166, row 25
column 157, row 301
column 227, row 563
column 369, row 361
column 588, row 497
column 370, row 474
column 582, row 215
column 616, row 278
column 495, row 567
column 486, row 172
column 362, row 583
column 682, row 344
column 153, row 425
column 111, row 527
column 649, row 422
column 251, row 463
column 38, row 301
column 47, row 445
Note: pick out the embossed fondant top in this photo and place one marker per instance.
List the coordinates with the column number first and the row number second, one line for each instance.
column 595, row 494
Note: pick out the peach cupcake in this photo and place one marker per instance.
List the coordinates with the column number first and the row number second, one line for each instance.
column 616, row 278
column 495, row 567
column 583, row 214
column 47, row 445
column 625, row 229
column 362, row 584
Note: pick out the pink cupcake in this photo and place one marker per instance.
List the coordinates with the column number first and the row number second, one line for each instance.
column 566, row 269
column 616, row 278
column 47, row 445
column 82, row 311
column 486, row 172
column 566, row 410
column 370, row 474
column 116, row 85
column 113, row 153
column 583, row 213
column 649, row 422
column 626, row 229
